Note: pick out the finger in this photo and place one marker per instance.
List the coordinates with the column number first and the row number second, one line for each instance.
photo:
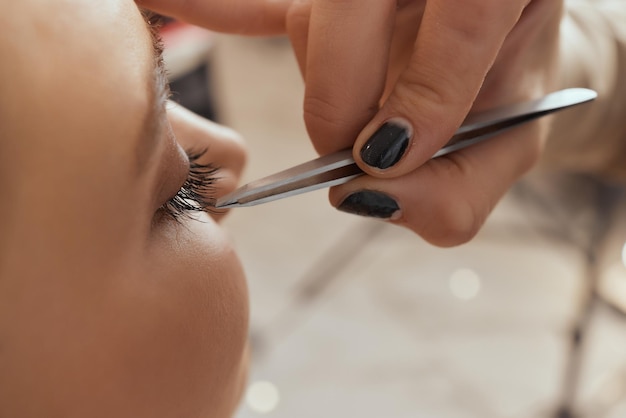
column 247, row 17
column 298, row 30
column 225, row 149
column 446, row 200
column 346, row 64
column 456, row 46
column 408, row 18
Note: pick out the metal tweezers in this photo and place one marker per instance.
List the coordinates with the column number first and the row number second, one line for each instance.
column 339, row 168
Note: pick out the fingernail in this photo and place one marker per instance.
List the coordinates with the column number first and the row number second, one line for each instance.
column 368, row 203
column 386, row 147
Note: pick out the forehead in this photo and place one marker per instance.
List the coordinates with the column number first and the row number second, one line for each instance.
column 77, row 34
column 75, row 74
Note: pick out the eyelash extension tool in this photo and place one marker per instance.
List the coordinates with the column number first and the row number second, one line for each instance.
column 338, row 168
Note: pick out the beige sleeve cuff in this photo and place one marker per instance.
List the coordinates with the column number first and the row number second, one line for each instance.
column 592, row 138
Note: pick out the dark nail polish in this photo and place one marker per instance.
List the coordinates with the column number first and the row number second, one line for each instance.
column 386, row 147
column 368, row 203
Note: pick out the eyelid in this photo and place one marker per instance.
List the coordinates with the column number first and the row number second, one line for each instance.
column 170, row 170
column 197, row 193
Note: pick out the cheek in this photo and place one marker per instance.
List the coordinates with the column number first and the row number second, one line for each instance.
column 187, row 326
column 164, row 336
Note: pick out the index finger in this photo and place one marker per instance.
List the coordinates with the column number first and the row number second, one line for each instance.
column 245, row 17
column 457, row 43
column 346, row 68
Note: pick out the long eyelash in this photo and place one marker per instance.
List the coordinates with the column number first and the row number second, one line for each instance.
column 197, row 193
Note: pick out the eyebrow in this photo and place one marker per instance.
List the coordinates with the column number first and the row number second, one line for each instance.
column 153, row 122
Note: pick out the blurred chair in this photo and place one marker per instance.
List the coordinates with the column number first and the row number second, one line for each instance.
column 589, row 214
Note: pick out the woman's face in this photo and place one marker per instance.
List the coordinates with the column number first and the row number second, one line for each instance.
column 108, row 305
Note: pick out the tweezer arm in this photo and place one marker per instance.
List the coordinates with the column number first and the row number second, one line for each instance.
column 327, row 171
column 483, row 125
column 339, row 168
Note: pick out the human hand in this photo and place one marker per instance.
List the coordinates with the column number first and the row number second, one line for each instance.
column 405, row 74
column 246, row 17
column 225, row 149
column 423, row 64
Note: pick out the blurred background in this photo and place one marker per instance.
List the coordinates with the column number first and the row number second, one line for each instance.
column 353, row 317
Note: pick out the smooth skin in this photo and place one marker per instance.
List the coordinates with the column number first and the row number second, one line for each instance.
column 427, row 63
column 108, row 307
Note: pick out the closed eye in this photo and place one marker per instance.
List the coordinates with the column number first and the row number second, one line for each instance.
column 197, row 193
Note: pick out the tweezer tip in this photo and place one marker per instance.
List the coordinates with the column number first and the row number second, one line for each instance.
column 226, row 204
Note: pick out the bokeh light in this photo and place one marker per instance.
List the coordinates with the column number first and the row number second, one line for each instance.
column 262, row 397
column 465, row 284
